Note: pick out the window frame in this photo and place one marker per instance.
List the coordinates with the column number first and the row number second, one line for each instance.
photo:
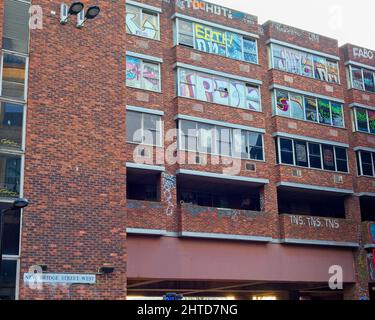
column 360, row 163
column 143, row 130
column 141, row 19
column 221, row 29
column 304, row 96
column 351, row 83
column 279, row 159
column 301, row 52
column 143, row 61
column 355, row 119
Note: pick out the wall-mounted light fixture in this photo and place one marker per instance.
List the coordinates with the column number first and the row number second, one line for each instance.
column 77, row 9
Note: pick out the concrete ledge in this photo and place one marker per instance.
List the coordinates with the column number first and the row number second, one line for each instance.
column 320, row 243
column 370, row 246
column 224, row 236
column 146, row 232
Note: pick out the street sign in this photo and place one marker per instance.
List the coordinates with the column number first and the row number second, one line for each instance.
column 59, row 278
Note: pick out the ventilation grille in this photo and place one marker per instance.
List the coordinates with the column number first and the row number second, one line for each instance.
column 250, row 167
column 297, row 173
column 338, row 179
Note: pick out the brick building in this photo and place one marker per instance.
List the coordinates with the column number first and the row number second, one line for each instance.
column 267, row 184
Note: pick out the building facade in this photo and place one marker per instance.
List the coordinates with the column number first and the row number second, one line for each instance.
column 189, row 148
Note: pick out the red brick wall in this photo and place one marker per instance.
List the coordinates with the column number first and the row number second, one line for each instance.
column 75, row 160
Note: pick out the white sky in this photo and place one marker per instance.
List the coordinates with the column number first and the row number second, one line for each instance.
column 348, row 21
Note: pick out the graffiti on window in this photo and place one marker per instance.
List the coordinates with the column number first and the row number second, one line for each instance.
column 141, row 22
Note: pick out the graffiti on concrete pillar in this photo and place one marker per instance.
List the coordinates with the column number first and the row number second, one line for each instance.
column 372, row 232
column 169, row 185
column 371, row 266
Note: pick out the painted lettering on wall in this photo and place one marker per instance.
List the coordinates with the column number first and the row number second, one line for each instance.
column 295, row 32
column 363, row 53
column 216, row 9
column 315, row 222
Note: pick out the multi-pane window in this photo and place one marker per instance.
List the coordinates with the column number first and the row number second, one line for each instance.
column 13, row 76
column 16, row 26
column 142, row 74
column 312, row 155
column 142, row 22
column 298, row 106
column 220, row 90
column 224, row 141
column 362, row 79
column 304, row 64
column 366, row 163
column 364, row 120
column 143, row 128
column 216, row 41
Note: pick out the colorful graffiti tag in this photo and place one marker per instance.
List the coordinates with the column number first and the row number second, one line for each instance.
column 133, row 72
column 140, row 74
column 372, row 232
column 140, row 23
column 213, row 89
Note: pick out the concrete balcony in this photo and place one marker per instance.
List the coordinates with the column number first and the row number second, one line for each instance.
column 228, row 224
column 318, row 231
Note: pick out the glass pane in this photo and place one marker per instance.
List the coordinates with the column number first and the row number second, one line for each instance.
column 205, row 87
column 328, row 158
column 301, row 153
column 368, row 78
column 14, row 73
column 341, row 159
column 337, row 114
column 237, row 94
column 189, row 135
column 357, row 80
column 210, row 40
column 279, row 60
column 8, row 277
column 234, row 45
column 185, row 36
column 286, row 150
column 293, row 61
column 221, row 91
column 11, row 122
column 11, row 236
column 367, row 168
column 320, row 68
column 223, row 136
column 296, row 104
column 133, row 72
column 134, row 127
column 361, row 115
column 311, row 109
column 151, row 76
column 133, row 20
column 187, row 83
column 307, row 65
column 150, row 25
column 151, row 127
column 333, row 72
column 324, row 111
column 16, row 26
column 250, row 50
column 371, row 120
column 255, row 146
column 253, row 97
column 10, row 167
column 206, row 137
column 282, row 103
column 315, row 156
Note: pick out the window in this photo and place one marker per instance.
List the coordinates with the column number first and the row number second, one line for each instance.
column 216, row 41
column 10, row 168
column 300, row 107
column 219, row 90
column 16, row 26
column 143, row 128
column 224, row 141
column 315, row 155
column 312, row 155
column 364, row 120
column 142, row 74
column 366, row 163
column 286, row 151
column 143, row 185
column 13, row 76
column 8, row 276
column 11, row 236
column 142, row 22
column 305, row 64
column 11, row 123
column 362, row 79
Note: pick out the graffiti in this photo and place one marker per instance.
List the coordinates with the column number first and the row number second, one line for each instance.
column 223, row 91
column 305, row 64
column 363, row 53
column 372, row 232
column 296, row 104
column 371, row 266
column 141, row 74
column 295, row 32
column 324, row 111
column 217, row 10
column 133, row 72
column 315, row 222
column 169, row 186
column 282, row 102
column 232, row 214
column 140, row 23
